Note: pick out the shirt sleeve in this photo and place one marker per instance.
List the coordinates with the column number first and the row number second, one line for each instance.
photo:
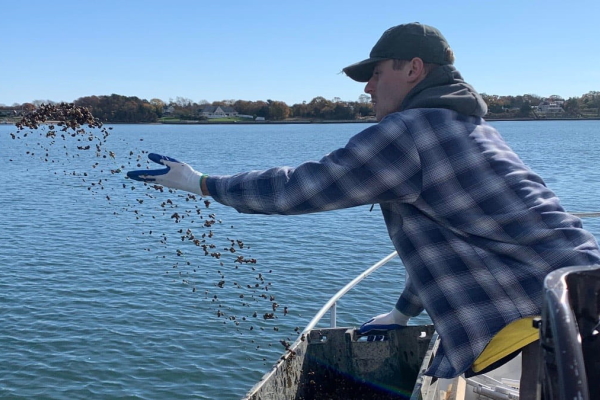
column 409, row 303
column 379, row 164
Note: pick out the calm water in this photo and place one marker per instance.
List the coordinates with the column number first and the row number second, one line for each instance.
column 101, row 298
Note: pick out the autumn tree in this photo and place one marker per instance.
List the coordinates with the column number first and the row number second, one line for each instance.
column 254, row 108
column 117, row 108
column 28, row 107
column 278, row 110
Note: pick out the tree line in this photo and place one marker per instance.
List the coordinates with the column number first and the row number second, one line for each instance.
column 524, row 106
column 131, row 109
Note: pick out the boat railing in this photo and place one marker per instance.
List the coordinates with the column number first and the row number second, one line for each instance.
column 331, row 305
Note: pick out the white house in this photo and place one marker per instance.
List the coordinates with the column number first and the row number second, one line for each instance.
column 218, row 112
column 547, row 107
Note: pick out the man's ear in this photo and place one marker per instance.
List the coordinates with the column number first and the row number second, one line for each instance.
column 416, row 70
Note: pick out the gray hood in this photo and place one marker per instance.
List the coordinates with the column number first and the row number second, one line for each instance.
column 444, row 87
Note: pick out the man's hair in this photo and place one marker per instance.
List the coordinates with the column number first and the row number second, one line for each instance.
column 428, row 67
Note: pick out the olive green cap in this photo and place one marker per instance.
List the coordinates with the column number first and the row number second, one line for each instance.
column 403, row 42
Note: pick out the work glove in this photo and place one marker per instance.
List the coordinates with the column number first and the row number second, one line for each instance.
column 383, row 322
column 176, row 175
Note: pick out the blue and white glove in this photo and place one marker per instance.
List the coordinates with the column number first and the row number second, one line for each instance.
column 384, row 322
column 177, row 175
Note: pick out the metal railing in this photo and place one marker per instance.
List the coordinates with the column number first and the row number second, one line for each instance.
column 331, row 304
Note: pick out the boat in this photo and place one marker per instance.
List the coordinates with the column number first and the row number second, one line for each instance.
column 338, row 363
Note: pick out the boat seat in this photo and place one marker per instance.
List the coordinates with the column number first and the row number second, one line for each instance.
column 505, row 345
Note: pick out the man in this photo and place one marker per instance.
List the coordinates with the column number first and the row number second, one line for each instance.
column 476, row 229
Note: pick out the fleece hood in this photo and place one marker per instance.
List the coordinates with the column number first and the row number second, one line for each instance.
column 444, row 87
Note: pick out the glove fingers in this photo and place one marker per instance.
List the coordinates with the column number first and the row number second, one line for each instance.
column 163, row 160
column 379, row 327
column 147, row 175
column 143, row 175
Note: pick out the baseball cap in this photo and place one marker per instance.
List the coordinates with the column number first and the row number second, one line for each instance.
column 403, row 42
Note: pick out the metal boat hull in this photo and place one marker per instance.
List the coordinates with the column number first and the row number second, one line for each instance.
column 336, row 364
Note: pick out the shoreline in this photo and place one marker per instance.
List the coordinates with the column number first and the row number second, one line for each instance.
column 304, row 122
column 370, row 121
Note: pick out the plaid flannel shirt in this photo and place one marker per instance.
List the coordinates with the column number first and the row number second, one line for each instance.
column 476, row 229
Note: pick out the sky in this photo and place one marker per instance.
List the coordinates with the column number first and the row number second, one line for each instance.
column 290, row 51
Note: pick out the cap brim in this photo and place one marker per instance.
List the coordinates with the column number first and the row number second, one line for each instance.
column 363, row 70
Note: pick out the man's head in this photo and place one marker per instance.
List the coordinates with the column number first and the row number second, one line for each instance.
column 401, row 58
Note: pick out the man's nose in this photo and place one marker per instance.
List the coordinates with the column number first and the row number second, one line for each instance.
column 369, row 87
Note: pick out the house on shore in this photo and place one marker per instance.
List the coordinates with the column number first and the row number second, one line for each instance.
column 168, row 110
column 549, row 107
column 218, row 112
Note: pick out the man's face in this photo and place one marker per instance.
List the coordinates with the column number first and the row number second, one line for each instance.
column 388, row 88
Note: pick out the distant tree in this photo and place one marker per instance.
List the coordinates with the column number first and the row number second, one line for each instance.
column 343, row 111
column 251, row 107
column 300, row 110
column 183, row 102
column 117, row 108
column 262, row 110
column 525, row 110
column 495, row 103
column 158, row 106
column 571, row 107
column 592, row 100
column 278, row 110
column 364, row 109
column 533, row 99
column 219, row 103
column 27, row 107
column 244, row 107
column 93, row 103
column 38, row 103
column 157, row 103
column 364, row 98
column 319, row 107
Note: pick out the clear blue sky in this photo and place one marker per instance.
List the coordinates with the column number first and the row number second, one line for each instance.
column 290, row 51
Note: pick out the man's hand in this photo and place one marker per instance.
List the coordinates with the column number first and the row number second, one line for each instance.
column 176, row 175
column 384, row 322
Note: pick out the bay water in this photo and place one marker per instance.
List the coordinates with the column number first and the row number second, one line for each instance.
column 103, row 295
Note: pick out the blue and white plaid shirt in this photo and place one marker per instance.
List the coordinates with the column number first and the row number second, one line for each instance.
column 476, row 229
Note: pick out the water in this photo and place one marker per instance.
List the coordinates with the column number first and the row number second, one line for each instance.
column 95, row 302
